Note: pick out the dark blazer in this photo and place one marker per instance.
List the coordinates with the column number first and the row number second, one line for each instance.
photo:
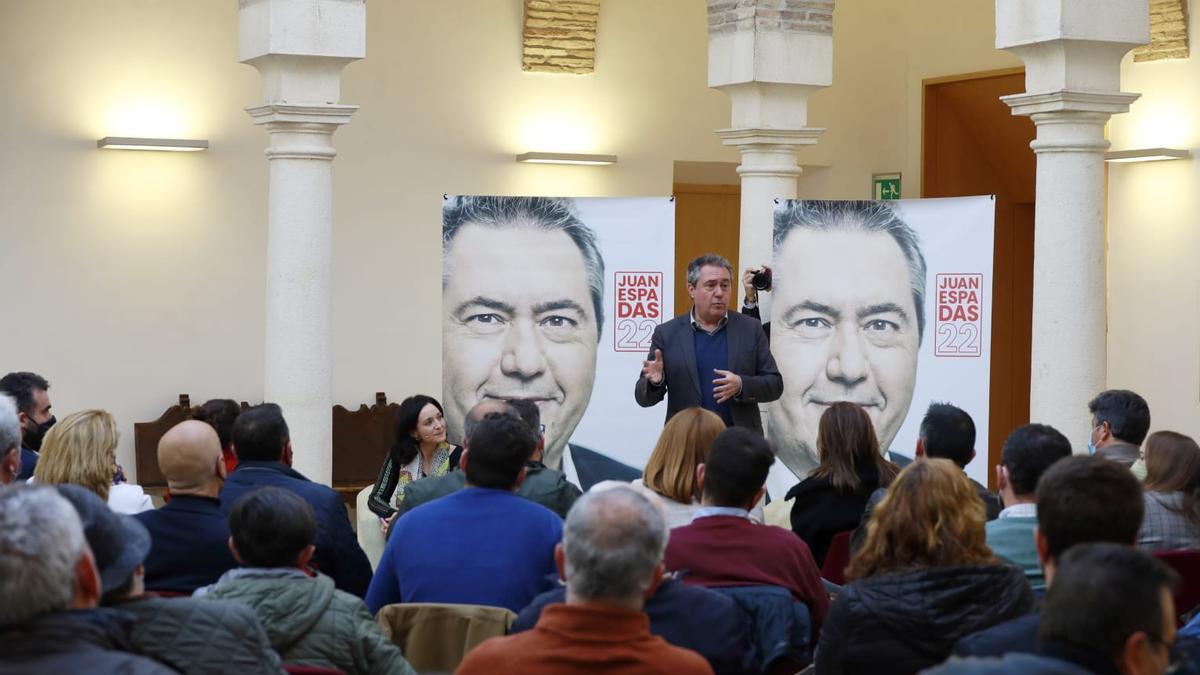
column 189, row 544
column 593, row 467
column 749, row 356
column 338, row 554
column 29, row 460
column 820, row 510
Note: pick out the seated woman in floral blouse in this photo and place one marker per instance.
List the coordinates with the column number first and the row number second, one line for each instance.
column 421, row 451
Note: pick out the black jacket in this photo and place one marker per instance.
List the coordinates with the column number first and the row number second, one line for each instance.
column 189, row 544
column 820, row 510
column 93, row 641
column 895, row 624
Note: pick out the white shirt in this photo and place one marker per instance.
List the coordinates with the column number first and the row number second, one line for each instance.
column 129, row 499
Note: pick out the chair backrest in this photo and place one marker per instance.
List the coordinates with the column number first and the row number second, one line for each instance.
column 361, row 439
column 780, row 627
column 310, row 670
column 436, row 637
column 837, row 558
column 1187, row 564
column 145, row 442
column 370, row 537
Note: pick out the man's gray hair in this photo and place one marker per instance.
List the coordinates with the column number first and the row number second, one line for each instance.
column 613, row 540
column 863, row 216
column 10, row 425
column 707, row 260
column 41, row 539
column 547, row 214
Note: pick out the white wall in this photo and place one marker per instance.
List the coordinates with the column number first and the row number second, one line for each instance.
column 138, row 276
column 1154, row 244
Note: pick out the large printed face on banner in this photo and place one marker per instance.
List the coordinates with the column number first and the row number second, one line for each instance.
column 847, row 319
column 521, row 298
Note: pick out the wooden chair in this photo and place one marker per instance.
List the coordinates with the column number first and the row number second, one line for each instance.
column 145, row 444
column 435, row 637
column 361, row 440
column 837, row 558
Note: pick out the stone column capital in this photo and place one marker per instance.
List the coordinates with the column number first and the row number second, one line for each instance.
column 1070, row 103
column 743, row 136
column 281, row 113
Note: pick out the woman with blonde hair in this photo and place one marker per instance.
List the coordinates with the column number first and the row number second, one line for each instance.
column 82, row 450
column 923, row 578
column 671, row 470
column 1172, row 496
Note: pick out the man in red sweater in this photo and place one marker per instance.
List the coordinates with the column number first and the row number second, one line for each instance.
column 723, row 547
column 611, row 559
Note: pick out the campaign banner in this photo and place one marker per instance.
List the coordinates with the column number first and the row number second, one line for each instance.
column 555, row 300
column 886, row 304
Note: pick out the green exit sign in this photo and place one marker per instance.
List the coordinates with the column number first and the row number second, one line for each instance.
column 885, row 186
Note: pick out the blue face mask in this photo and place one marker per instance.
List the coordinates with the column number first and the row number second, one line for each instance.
column 1091, row 446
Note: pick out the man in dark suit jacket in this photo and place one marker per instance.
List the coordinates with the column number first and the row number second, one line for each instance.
column 711, row 357
column 264, row 449
column 189, row 537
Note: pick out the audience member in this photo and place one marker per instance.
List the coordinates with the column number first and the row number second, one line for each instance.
column 193, row 637
column 1079, row 500
column 50, row 620
column 923, row 578
column 1172, row 519
column 542, row 485
column 190, row 533
column 10, row 441
column 611, row 559
column 946, row 432
column 1110, row 611
column 221, row 414
column 82, row 450
column 482, row 545
column 1028, row 452
column 833, row 497
column 264, row 449
column 670, row 472
column 722, row 547
column 309, row 621
column 30, row 391
column 420, row 451
column 1120, row 420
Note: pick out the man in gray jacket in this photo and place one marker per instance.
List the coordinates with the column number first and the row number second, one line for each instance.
column 308, row 621
column 193, row 637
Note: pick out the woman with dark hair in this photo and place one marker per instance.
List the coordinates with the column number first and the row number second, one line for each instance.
column 1172, row 496
column 923, row 578
column 420, row 451
column 833, row 496
column 220, row 414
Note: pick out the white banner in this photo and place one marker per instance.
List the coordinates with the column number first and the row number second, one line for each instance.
column 555, row 300
column 855, row 317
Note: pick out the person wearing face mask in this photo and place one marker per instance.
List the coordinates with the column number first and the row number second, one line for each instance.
column 29, row 390
column 1120, row 421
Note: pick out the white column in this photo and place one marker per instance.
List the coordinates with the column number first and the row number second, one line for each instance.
column 300, row 48
column 1072, row 51
column 768, row 56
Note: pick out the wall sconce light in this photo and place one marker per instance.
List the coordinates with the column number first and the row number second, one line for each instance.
column 166, row 144
column 566, row 158
column 1146, row 155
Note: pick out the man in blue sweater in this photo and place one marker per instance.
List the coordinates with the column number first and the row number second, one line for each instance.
column 482, row 545
column 264, row 449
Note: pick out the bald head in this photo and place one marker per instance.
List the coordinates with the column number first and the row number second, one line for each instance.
column 189, row 456
column 481, row 410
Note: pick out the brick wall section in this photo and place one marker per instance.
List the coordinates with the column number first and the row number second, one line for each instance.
column 560, row 36
column 1168, row 32
column 787, row 16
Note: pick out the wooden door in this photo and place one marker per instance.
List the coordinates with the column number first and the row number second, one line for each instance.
column 973, row 145
column 707, row 220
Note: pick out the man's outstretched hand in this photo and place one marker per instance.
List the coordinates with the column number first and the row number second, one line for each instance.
column 652, row 369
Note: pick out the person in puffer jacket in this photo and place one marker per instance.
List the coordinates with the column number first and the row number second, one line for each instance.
column 308, row 621
column 923, row 578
